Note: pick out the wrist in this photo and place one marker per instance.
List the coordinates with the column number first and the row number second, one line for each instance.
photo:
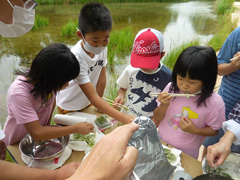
column 228, row 138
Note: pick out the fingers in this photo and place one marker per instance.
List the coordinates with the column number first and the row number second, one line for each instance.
column 210, row 157
column 130, row 158
column 125, row 132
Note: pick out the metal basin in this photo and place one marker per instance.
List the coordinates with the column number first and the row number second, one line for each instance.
column 43, row 150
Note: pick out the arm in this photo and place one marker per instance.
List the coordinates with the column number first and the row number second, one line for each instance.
column 12, row 171
column 39, row 132
column 101, row 82
column 217, row 153
column 228, row 68
column 111, row 158
column 102, row 105
column 120, row 97
column 159, row 112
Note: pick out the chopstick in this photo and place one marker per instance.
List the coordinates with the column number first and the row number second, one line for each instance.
column 111, row 102
column 233, row 58
column 155, row 94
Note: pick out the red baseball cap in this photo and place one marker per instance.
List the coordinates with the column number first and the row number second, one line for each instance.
column 147, row 49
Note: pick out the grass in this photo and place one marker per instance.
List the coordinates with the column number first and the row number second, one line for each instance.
column 122, row 1
column 111, row 87
column 225, row 25
column 224, row 6
column 49, row 2
column 40, row 22
column 120, row 45
column 69, row 29
column 171, row 57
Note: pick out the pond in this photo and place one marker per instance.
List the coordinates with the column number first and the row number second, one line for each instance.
column 178, row 22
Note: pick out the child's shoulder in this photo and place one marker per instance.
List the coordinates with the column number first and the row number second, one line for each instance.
column 165, row 69
column 215, row 99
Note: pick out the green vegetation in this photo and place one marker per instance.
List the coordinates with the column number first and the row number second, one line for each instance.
column 224, row 6
column 89, row 138
column 111, row 87
column 9, row 158
column 225, row 26
column 69, row 29
column 171, row 57
column 40, row 22
column 120, row 45
column 49, row 2
column 170, row 156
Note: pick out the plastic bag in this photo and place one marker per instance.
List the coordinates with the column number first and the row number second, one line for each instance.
column 152, row 163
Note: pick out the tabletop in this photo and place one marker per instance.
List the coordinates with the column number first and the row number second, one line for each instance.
column 191, row 165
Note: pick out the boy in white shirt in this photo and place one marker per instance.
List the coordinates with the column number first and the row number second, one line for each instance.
column 95, row 24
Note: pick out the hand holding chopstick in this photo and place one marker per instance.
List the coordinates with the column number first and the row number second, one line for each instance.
column 111, row 102
column 120, row 105
column 234, row 58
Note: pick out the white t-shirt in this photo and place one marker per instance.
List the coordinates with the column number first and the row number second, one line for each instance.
column 72, row 97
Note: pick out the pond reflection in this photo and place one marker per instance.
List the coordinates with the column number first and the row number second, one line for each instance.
column 178, row 22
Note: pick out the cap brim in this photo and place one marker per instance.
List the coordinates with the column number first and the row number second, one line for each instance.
column 144, row 61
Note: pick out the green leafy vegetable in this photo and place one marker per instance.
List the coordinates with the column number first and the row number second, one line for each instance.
column 219, row 171
column 170, row 156
column 89, row 138
column 102, row 122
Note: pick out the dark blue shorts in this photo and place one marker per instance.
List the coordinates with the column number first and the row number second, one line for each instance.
column 214, row 139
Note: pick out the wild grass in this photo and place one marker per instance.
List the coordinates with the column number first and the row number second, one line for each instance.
column 120, row 45
column 123, row 1
column 40, row 22
column 111, row 87
column 49, row 2
column 225, row 25
column 224, row 6
column 171, row 57
column 69, row 29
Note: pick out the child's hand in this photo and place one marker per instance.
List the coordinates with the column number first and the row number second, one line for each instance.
column 236, row 61
column 164, row 98
column 84, row 128
column 187, row 125
column 118, row 100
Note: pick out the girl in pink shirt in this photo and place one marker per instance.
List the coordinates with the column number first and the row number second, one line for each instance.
column 31, row 97
column 184, row 122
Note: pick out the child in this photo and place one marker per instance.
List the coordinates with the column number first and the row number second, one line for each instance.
column 185, row 122
column 31, row 97
column 145, row 74
column 95, row 24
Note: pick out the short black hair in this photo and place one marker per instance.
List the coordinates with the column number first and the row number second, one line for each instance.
column 94, row 17
column 199, row 63
column 54, row 66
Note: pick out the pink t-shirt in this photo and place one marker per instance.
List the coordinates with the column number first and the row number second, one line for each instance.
column 24, row 108
column 211, row 115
